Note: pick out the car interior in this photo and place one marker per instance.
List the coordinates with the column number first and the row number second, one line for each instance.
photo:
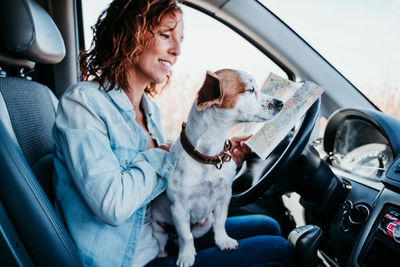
column 348, row 180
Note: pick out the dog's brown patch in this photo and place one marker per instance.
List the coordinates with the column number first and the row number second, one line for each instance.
column 221, row 89
column 232, row 85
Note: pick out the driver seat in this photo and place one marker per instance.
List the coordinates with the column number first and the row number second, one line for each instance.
column 31, row 232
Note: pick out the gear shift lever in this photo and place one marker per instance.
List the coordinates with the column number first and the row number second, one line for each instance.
column 303, row 245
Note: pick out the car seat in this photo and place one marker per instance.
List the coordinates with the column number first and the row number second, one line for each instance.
column 31, row 232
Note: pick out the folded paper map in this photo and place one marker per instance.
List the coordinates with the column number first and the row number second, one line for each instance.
column 297, row 98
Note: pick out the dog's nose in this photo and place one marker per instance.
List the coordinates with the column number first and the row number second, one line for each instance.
column 278, row 103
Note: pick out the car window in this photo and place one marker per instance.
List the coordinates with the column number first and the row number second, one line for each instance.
column 208, row 45
column 360, row 38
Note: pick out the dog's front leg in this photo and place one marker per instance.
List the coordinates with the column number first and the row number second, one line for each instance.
column 223, row 241
column 187, row 251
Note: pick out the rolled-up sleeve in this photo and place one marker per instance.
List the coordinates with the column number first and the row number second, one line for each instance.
column 113, row 192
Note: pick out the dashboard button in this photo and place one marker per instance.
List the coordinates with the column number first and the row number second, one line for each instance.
column 391, row 226
column 390, row 217
column 395, row 214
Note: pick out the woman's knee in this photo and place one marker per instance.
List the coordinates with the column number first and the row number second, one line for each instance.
column 271, row 226
column 259, row 224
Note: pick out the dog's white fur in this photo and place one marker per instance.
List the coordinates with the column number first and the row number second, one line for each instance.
column 198, row 195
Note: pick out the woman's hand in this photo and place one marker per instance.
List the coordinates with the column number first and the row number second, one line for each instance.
column 240, row 150
column 165, row 146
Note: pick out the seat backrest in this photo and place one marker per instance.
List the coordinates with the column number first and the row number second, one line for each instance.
column 31, row 113
column 28, row 35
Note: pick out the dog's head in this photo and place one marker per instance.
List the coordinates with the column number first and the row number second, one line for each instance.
column 236, row 94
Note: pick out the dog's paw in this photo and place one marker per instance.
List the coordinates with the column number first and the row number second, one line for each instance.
column 185, row 260
column 186, row 257
column 227, row 243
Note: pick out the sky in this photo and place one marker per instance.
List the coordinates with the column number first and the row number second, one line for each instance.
column 361, row 38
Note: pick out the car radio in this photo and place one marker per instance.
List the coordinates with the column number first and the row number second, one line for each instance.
column 382, row 248
column 390, row 225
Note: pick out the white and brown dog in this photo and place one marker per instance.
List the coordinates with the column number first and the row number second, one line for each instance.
column 199, row 191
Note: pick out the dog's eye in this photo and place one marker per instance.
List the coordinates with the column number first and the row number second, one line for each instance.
column 251, row 90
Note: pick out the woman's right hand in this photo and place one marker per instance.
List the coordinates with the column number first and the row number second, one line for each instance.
column 165, row 146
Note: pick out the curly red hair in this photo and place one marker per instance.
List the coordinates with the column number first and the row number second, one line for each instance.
column 118, row 40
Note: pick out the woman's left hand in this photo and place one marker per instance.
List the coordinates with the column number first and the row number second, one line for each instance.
column 240, row 150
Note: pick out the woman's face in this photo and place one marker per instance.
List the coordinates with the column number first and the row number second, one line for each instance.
column 163, row 49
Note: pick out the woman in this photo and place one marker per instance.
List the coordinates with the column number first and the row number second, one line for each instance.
column 111, row 159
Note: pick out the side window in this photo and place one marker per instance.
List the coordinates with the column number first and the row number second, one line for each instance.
column 208, row 45
column 91, row 10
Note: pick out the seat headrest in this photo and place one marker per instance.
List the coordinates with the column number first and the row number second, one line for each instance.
column 28, row 35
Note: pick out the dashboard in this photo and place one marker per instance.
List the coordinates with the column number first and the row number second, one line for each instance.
column 362, row 142
column 361, row 147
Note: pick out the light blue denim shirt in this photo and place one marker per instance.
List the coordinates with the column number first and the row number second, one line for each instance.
column 104, row 176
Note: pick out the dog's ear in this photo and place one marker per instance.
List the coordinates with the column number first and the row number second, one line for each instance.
column 210, row 93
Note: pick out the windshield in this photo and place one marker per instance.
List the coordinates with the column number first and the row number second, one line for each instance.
column 361, row 38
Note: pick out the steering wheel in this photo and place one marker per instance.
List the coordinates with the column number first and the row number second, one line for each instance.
column 282, row 157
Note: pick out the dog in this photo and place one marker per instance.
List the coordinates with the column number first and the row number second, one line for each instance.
column 199, row 190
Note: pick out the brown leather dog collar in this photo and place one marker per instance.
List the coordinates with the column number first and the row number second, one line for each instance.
column 217, row 160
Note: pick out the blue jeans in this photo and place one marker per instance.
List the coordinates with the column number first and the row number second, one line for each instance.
column 260, row 244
